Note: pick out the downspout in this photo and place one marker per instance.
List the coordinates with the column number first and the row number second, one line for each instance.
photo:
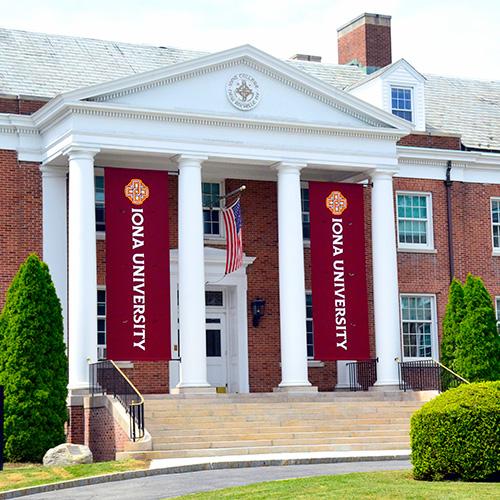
column 448, row 183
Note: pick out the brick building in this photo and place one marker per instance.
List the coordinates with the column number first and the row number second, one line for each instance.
column 426, row 149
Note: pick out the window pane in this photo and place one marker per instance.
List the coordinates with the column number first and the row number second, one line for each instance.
column 416, row 326
column 214, row 298
column 213, row 343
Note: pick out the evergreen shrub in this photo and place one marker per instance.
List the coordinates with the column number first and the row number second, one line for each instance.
column 33, row 364
column 457, row 434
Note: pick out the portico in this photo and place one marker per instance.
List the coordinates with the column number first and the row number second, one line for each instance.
column 179, row 120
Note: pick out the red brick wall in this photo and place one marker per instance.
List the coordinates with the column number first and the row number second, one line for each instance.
column 75, row 426
column 20, row 106
column 20, row 216
column 150, row 377
column 431, row 141
column 103, row 435
column 429, row 273
column 368, row 44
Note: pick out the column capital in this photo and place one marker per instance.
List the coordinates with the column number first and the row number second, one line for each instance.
column 382, row 173
column 80, row 152
column 53, row 171
column 290, row 166
column 190, row 160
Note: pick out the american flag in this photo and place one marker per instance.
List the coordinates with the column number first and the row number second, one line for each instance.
column 234, row 245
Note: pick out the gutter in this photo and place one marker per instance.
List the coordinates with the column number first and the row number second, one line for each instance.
column 448, row 184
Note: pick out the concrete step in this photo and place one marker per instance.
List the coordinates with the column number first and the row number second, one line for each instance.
column 231, row 410
column 317, row 424
column 334, row 427
column 207, row 452
column 242, row 436
column 195, row 445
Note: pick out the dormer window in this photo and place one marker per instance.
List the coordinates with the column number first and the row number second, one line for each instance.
column 401, row 103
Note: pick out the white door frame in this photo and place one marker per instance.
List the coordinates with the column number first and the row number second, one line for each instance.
column 223, row 361
column 235, row 286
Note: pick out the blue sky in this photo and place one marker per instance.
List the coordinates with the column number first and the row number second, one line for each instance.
column 449, row 37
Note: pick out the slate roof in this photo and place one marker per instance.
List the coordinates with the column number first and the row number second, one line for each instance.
column 41, row 65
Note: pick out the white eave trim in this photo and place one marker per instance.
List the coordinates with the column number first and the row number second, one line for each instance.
column 427, row 156
column 120, row 111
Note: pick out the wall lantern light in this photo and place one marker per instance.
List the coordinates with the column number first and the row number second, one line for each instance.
column 258, row 310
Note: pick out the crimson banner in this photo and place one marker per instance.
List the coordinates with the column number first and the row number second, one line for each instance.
column 338, row 271
column 137, row 265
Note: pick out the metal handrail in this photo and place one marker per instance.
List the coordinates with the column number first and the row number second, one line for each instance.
column 451, row 371
column 427, row 374
column 122, row 389
column 362, row 374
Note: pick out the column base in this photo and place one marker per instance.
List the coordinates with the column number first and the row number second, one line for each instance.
column 76, row 395
column 296, row 389
column 390, row 387
column 205, row 391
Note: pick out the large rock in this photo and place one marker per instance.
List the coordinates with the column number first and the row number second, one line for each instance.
column 68, row 454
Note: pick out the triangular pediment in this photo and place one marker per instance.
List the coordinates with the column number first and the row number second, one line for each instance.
column 200, row 86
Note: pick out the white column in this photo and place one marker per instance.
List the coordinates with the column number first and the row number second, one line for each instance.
column 82, row 280
column 291, row 280
column 193, row 372
column 55, row 239
column 385, row 279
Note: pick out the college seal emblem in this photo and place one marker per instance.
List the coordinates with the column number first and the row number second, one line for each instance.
column 136, row 191
column 336, row 202
column 243, row 91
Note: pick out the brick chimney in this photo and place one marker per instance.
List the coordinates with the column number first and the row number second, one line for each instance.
column 366, row 42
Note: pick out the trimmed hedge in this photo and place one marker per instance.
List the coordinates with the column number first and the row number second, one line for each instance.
column 457, row 434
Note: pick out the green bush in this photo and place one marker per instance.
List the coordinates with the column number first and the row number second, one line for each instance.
column 477, row 347
column 33, row 364
column 457, row 434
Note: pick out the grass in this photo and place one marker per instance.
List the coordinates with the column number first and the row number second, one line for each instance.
column 25, row 475
column 379, row 485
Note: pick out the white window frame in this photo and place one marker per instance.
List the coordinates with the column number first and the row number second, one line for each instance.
column 429, row 246
column 412, row 101
column 309, row 292
column 222, row 234
column 99, row 172
column 434, row 326
column 101, row 349
column 496, row 250
column 305, row 185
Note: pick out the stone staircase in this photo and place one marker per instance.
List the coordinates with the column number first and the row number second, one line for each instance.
column 249, row 424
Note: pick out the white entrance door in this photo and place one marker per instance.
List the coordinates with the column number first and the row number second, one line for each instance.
column 215, row 327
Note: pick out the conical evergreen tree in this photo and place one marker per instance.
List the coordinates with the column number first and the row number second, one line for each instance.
column 455, row 311
column 477, row 353
column 33, row 364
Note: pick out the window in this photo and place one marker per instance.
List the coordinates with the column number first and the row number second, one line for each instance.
column 309, row 326
column 418, row 325
column 401, row 104
column 414, row 212
column 99, row 203
column 495, row 224
column 304, row 201
column 211, row 208
column 101, row 323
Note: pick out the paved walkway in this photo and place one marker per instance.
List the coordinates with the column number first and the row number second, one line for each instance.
column 172, row 485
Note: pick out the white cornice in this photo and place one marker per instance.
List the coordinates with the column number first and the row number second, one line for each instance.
column 439, row 157
column 114, row 111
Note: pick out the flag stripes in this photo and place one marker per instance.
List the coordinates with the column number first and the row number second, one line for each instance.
column 234, row 244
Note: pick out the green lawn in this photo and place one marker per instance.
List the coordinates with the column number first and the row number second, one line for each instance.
column 24, row 475
column 386, row 485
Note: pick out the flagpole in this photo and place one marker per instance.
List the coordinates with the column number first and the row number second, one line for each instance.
column 236, row 191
